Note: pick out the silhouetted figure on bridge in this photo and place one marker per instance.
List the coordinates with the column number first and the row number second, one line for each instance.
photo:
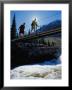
column 21, row 30
column 34, row 25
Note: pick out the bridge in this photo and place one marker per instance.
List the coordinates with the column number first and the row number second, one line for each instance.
column 29, row 53
column 39, row 35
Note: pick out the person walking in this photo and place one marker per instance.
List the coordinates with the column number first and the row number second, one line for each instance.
column 21, row 30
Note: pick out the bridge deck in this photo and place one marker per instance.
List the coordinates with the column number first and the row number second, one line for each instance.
column 39, row 34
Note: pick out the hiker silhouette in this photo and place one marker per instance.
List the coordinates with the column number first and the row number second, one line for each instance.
column 34, row 25
column 22, row 29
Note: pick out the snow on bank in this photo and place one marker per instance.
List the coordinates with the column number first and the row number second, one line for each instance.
column 37, row 72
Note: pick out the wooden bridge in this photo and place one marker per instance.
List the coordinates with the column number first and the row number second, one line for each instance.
column 30, row 53
column 39, row 34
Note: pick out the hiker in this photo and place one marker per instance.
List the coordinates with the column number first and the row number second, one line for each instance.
column 34, row 25
column 21, row 30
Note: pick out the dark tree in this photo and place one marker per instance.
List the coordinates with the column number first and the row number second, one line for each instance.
column 53, row 43
column 17, row 35
column 48, row 43
column 42, row 41
column 13, row 29
column 29, row 32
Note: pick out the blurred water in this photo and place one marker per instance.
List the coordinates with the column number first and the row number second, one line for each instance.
column 46, row 70
column 51, row 62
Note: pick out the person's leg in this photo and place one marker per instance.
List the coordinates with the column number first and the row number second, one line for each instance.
column 31, row 28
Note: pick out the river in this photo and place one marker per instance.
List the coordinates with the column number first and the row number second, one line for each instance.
column 46, row 70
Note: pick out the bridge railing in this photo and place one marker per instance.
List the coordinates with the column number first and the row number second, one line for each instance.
column 37, row 34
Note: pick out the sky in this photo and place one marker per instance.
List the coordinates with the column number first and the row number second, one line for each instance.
column 42, row 17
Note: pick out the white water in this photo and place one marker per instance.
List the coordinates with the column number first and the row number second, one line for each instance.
column 37, row 72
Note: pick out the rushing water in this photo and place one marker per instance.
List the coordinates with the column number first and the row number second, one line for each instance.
column 45, row 70
column 52, row 62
